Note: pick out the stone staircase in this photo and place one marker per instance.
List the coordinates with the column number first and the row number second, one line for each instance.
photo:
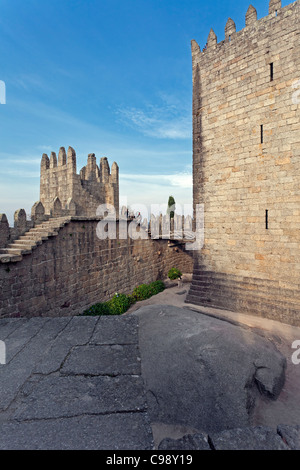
column 246, row 295
column 26, row 243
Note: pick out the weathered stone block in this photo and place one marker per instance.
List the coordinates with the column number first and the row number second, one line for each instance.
column 20, row 220
column 38, row 212
column 4, row 230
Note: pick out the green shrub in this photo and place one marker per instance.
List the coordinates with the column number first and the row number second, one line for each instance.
column 174, row 273
column 145, row 291
column 171, row 205
column 132, row 299
column 142, row 292
column 119, row 304
column 157, row 287
column 98, row 309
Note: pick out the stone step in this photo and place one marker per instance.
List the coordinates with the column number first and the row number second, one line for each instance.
column 232, row 277
column 249, row 289
column 15, row 251
column 196, row 299
column 226, row 303
column 44, row 229
column 37, row 240
column 235, row 291
column 199, row 274
column 5, row 258
column 27, row 241
column 286, row 314
column 56, row 223
column 237, row 287
column 20, row 246
column 244, row 303
column 31, row 236
column 45, row 233
column 249, row 284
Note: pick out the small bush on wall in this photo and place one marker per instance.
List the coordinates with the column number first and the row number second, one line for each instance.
column 174, row 273
column 120, row 303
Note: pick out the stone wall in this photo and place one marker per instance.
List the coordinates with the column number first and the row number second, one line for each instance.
column 75, row 269
column 64, row 192
column 21, row 223
column 246, row 149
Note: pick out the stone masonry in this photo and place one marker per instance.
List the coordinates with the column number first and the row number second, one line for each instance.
column 56, row 264
column 61, row 267
column 64, row 192
column 246, row 165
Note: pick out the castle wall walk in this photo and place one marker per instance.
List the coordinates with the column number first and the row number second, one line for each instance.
column 72, row 269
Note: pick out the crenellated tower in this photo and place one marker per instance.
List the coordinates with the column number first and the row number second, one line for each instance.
column 64, row 192
column 246, row 164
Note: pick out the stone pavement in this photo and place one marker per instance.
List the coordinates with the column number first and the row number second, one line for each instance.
column 72, row 383
column 77, row 383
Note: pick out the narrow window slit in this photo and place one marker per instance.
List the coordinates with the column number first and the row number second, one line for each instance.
column 267, row 219
column 261, row 134
column 271, row 72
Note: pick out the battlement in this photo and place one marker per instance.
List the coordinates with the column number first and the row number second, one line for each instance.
column 253, row 26
column 246, row 165
column 21, row 223
column 64, row 192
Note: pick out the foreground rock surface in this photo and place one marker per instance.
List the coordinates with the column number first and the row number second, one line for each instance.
column 72, row 383
column 113, row 382
column 253, row 438
column 204, row 372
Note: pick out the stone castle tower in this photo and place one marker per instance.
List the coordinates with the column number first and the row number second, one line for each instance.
column 246, row 165
column 63, row 191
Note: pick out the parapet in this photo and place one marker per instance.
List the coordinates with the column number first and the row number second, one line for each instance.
column 21, row 224
column 230, row 29
column 114, row 176
column 92, row 171
column 251, row 16
column 178, row 228
column 45, row 163
column 62, row 157
column 4, row 231
column 38, row 212
column 212, row 39
column 275, row 8
column 20, row 221
column 71, row 160
column 102, row 173
column 53, row 160
column 64, row 192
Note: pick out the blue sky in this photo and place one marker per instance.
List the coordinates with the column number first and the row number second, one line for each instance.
column 112, row 77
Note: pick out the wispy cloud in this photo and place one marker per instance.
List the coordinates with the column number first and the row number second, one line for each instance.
column 17, row 195
column 45, row 148
column 22, row 173
column 169, row 120
column 180, row 180
column 141, row 190
column 8, row 160
column 28, row 161
column 28, row 81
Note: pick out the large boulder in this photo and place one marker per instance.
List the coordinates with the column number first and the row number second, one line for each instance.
column 204, row 372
